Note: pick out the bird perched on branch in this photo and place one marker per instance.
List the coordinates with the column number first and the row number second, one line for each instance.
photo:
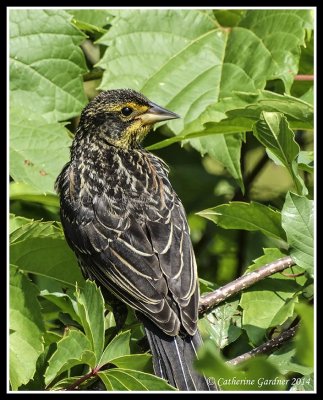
column 128, row 228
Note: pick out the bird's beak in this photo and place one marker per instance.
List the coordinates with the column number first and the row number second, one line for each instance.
column 155, row 113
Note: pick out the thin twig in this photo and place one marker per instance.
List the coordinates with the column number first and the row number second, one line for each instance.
column 210, row 300
column 304, row 78
column 268, row 347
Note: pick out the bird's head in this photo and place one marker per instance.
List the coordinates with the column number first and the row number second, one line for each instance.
column 122, row 117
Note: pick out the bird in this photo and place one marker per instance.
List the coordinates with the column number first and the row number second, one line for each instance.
column 129, row 230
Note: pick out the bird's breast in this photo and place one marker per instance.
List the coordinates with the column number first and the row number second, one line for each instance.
column 129, row 180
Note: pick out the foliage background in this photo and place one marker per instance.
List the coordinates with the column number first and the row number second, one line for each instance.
column 245, row 136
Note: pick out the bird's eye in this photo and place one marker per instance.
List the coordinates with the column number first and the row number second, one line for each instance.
column 126, row 111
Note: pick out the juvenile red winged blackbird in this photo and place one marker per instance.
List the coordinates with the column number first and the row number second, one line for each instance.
column 128, row 228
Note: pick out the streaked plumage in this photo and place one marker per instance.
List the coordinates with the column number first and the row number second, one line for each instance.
column 126, row 224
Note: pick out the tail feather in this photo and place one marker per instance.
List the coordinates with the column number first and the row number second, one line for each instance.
column 173, row 358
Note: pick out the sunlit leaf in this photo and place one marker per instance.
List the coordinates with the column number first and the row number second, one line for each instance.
column 73, row 349
column 46, row 63
column 90, row 305
column 26, row 329
column 127, row 380
column 298, row 223
column 248, row 216
column 272, row 131
column 41, row 248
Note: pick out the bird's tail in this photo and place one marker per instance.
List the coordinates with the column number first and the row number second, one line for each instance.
column 173, row 358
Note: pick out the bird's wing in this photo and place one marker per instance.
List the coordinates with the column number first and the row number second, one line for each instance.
column 171, row 242
column 116, row 252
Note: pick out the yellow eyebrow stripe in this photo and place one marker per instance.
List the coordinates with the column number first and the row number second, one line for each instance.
column 137, row 107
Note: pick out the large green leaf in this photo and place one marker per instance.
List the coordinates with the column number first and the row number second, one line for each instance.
column 73, row 349
column 26, row 328
column 272, row 131
column 38, row 149
column 298, row 223
column 91, row 311
column 46, row 63
column 281, row 32
column 41, row 248
column 127, row 379
column 247, row 216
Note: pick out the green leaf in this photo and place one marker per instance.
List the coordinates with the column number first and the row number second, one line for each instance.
column 139, row 362
column 24, row 192
column 46, row 63
column 26, row 329
column 127, row 380
column 24, row 229
column 305, row 335
column 224, row 148
column 38, row 150
column 247, row 216
column 16, row 222
column 41, row 248
column 269, row 302
column 219, row 326
column 238, row 112
column 269, row 26
column 305, row 161
column 64, row 302
column 73, row 349
column 38, row 381
column 309, row 95
column 91, row 311
column 284, row 359
column 91, row 20
column 65, row 383
column 118, row 347
column 256, row 374
column 298, row 223
column 273, row 132
column 228, row 17
column 250, row 105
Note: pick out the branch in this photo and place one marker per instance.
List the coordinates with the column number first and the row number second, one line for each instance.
column 75, row 385
column 211, row 300
column 268, row 347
